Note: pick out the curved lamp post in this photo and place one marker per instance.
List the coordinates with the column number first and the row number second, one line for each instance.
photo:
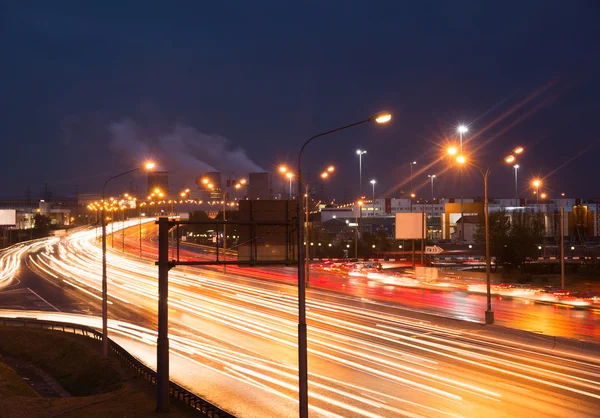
column 302, row 340
column 147, row 166
column 485, row 172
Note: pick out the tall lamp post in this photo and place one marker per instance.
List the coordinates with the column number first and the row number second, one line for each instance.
column 562, row 241
column 324, row 175
column 516, row 167
column 238, row 185
column 462, row 129
column 485, row 172
column 358, row 216
column 412, row 196
column 147, row 166
column 411, row 174
column 431, row 177
column 360, row 154
column 302, row 337
column 373, row 183
column 537, row 183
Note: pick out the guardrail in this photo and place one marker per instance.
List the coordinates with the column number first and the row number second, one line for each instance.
column 176, row 391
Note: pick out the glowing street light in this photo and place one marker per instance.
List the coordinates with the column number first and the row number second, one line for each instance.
column 411, row 173
column 290, row 176
column 360, row 154
column 149, row 165
column 373, row 183
column 489, row 314
column 383, row 118
column 302, row 336
column 516, row 167
column 452, row 151
column 537, row 183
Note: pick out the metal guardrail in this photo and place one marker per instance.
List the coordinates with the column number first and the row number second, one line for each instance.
column 176, row 391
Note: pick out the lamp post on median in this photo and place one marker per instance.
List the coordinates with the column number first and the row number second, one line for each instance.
column 360, row 154
column 562, row 242
column 411, row 174
column 358, row 215
column 485, row 172
column 537, row 183
column 290, row 176
column 373, row 183
column 325, row 174
column 302, row 336
column 516, row 167
column 237, row 185
column 148, row 166
column 462, row 129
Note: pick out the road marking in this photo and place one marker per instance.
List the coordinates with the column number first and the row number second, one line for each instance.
column 58, row 310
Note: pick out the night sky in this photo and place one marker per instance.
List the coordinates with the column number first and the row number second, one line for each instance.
column 90, row 89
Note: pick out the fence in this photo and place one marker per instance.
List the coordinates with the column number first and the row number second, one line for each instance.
column 176, row 391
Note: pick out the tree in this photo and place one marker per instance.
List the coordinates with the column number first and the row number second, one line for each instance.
column 513, row 237
column 42, row 221
column 527, row 231
column 499, row 224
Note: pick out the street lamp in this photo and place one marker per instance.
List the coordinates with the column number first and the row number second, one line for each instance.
column 358, row 215
column 462, row 129
column 360, row 154
column 485, row 172
column 302, row 338
column 290, row 176
column 147, row 166
column 516, row 167
column 431, row 177
column 411, row 173
column 373, row 183
column 537, row 183
column 324, row 175
column 562, row 241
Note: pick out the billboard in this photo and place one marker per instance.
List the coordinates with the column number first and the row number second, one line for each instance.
column 275, row 240
column 8, row 217
column 410, row 225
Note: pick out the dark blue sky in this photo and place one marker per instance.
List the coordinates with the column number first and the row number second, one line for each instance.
column 89, row 89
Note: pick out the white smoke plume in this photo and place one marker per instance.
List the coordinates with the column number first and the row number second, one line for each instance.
column 180, row 149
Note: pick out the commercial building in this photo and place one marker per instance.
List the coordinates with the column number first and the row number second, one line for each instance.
column 259, row 186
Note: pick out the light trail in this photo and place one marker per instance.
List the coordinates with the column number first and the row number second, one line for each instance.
column 365, row 358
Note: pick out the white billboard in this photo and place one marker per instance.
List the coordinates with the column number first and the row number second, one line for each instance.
column 8, row 217
column 410, row 225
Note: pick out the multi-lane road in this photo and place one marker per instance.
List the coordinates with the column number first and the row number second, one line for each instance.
column 373, row 350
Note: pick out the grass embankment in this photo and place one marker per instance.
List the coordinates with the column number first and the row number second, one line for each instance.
column 100, row 387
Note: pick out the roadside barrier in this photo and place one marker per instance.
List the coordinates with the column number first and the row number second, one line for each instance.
column 176, row 391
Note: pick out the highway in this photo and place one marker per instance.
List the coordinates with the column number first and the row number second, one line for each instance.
column 233, row 339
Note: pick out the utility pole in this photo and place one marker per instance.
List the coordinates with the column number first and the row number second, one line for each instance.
column 562, row 244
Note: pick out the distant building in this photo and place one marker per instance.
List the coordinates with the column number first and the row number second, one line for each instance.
column 258, row 186
column 158, row 180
